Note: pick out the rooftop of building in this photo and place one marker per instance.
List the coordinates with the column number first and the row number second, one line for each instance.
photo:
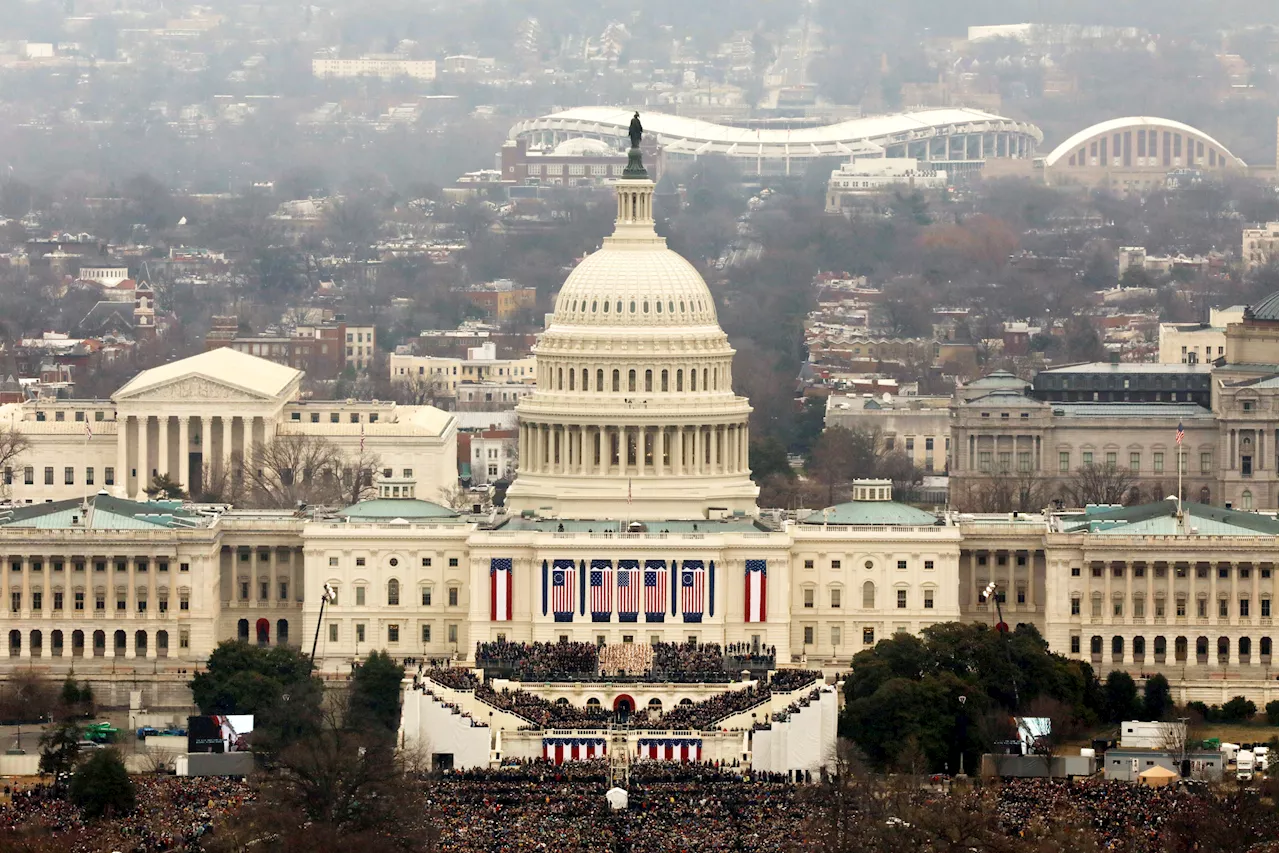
column 1129, row 367
column 1183, row 411
column 224, row 365
column 1267, row 309
column 677, row 526
column 998, row 379
column 879, row 513
column 1161, row 519
column 391, row 509
column 101, row 511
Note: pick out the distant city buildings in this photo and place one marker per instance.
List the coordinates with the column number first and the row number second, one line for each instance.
column 1259, row 244
column 385, row 67
column 868, row 176
column 500, row 300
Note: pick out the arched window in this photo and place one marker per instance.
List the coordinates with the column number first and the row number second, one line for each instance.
column 693, row 380
column 1180, row 648
column 1202, row 647
column 648, row 380
column 1095, row 645
column 140, row 643
column 242, row 630
column 1246, row 500
column 1204, row 494
column 282, row 632
column 559, row 378
column 1139, row 647
column 393, row 592
column 263, row 629
column 1224, row 647
column 617, row 381
column 1264, row 647
column 1161, row 648
column 631, row 380
column 571, row 377
column 586, row 380
column 1117, row 646
column 599, row 380
column 1246, row 649
column 868, row 595
column 679, row 380
column 705, row 386
column 663, row 380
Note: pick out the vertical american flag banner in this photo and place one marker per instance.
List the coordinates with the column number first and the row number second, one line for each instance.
column 711, row 588
column 582, row 587
column 757, row 591
column 670, row 749
column 544, row 587
column 675, row 586
column 693, row 579
column 629, row 585
column 601, row 589
column 500, row 587
column 655, row 590
column 562, row 582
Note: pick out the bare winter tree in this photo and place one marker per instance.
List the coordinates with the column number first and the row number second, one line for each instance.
column 419, row 391
column 13, row 443
column 359, row 473
column 1098, row 484
column 1005, row 491
column 294, row 469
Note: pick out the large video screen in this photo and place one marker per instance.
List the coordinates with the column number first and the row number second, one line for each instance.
column 217, row 733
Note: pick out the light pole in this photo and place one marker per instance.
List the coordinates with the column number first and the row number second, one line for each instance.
column 963, row 738
column 1003, row 628
column 325, row 598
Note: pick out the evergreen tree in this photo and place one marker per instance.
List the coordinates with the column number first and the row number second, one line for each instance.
column 374, row 702
column 59, row 749
column 1157, row 699
column 101, row 787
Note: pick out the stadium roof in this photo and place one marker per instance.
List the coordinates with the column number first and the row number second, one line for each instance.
column 1079, row 138
column 683, row 135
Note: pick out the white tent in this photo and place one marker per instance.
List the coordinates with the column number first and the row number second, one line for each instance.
column 617, row 798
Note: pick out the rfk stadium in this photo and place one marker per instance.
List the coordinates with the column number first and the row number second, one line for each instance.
column 953, row 135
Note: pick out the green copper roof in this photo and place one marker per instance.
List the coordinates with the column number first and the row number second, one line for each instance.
column 1158, row 519
column 100, row 512
column 872, row 512
column 386, row 509
column 1264, row 310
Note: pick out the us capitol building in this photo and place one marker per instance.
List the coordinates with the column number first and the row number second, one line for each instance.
column 632, row 519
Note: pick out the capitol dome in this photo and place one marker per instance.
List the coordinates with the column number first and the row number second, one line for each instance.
column 634, row 414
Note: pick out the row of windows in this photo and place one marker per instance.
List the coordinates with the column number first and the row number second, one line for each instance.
column 61, row 415
column 868, row 597
column 68, row 476
column 99, row 602
column 395, row 561
column 868, row 635
column 1224, row 572
column 393, row 633
column 140, row 565
column 336, row 417
column 99, row 642
column 870, row 564
column 393, row 595
column 596, row 305
column 1139, row 646
column 1111, row 460
column 710, row 380
column 1138, row 607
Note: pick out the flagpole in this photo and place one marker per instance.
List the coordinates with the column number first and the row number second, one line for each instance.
column 1178, row 462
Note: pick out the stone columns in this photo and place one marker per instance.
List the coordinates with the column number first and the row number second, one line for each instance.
column 162, row 464
column 144, row 457
column 184, row 453
column 660, row 454
column 1128, row 603
column 206, row 444
column 973, row 578
column 121, row 483
column 225, row 451
column 273, row 580
column 246, row 441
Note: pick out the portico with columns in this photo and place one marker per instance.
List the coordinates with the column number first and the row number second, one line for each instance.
column 202, row 413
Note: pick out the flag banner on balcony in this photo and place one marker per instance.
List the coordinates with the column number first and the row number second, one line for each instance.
column 562, row 589
column 500, row 588
column 629, row 590
column 562, row 749
column 601, row 590
column 693, row 579
column 670, row 749
column 756, row 591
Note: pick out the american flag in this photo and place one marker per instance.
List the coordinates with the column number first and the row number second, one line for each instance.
column 1180, row 433
column 628, row 588
column 691, row 582
column 562, row 588
column 500, row 583
column 362, row 438
column 756, row 591
column 655, row 590
column 601, row 586
column 88, row 430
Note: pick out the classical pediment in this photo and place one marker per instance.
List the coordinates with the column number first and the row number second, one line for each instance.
column 193, row 389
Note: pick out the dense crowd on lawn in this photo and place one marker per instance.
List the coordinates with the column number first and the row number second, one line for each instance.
column 171, row 814
column 1121, row 815
column 671, row 808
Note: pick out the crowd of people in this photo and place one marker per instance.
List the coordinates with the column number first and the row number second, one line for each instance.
column 1121, row 814
column 171, row 814
column 706, row 714
column 630, row 660
column 452, row 677
column 688, row 661
column 538, row 661
column 671, row 808
column 785, row 680
column 543, row 713
column 747, row 656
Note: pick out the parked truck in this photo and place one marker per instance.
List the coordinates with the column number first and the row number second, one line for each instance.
column 1244, row 766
